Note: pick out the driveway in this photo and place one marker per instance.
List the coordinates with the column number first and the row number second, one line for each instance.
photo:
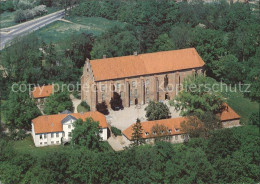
column 122, row 119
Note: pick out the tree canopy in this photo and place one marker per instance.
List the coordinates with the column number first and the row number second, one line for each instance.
column 156, row 111
column 20, row 109
column 200, row 94
column 86, row 134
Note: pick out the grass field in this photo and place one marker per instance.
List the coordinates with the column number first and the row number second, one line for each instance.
column 27, row 146
column 60, row 30
column 243, row 106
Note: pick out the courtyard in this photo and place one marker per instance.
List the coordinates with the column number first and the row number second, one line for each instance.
column 122, row 119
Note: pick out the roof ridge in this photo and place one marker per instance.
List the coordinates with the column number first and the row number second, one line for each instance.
column 142, row 54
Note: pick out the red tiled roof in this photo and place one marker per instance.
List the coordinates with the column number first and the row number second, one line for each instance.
column 42, row 91
column 171, row 124
column 52, row 123
column 228, row 114
column 144, row 64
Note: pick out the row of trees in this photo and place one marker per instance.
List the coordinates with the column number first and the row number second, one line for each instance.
column 228, row 156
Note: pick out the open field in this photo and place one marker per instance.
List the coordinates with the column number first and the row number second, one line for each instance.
column 7, row 18
column 243, row 106
column 76, row 25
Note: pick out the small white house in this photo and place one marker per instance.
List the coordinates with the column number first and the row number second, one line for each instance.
column 55, row 129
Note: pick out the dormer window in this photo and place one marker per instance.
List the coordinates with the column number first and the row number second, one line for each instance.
column 162, row 132
column 146, row 133
column 154, row 133
column 170, row 130
column 177, row 130
column 69, row 126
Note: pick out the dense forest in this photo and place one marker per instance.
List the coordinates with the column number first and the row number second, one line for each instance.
column 225, row 35
column 227, row 156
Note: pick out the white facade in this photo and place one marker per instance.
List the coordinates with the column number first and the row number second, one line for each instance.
column 56, row 138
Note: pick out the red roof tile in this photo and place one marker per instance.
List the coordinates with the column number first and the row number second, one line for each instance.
column 228, row 114
column 52, row 123
column 172, row 124
column 42, row 91
column 144, row 64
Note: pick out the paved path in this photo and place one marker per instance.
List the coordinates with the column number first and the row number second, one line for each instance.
column 8, row 34
column 75, row 102
column 115, row 143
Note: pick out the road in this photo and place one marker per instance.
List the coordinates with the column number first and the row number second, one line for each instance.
column 8, row 34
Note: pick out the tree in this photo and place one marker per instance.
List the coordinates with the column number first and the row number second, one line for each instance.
column 210, row 45
column 221, row 69
column 78, row 47
column 222, row 143
column 19, row 109
column 102, row 107
column 163, row 43
column 199, row 95
column 156, row 111
column 160, row 133
column 116, row 101
column 116, row 42
column 201, row 125
column 252, row 71
column 86, row 134
column 58, row 102
column 137, row 135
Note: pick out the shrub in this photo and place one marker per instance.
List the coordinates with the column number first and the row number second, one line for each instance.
column 116, row 131
column 83, row 107
column 18, row 135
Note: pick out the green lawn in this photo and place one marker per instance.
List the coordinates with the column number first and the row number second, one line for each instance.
column 243, row 106
column 27, row 146
column 80, row 108
column 60, row 30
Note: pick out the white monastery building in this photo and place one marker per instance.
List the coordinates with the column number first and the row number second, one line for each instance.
column 55, row 129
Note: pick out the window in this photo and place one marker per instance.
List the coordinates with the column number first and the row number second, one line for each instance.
column 57, row 142
column 52, row 135
column 40, row 143
column 40, row 136
column 131, row 102
column 103, row 97
column 45, row 142
column 118, row 86
column 69, row 134
column 69, row 126
column 103, row 87
column 133, row 84
column 63, row 134
column 147, row 91
column 52, row 142
column 57, row 134
column 176, row 137
column 147, row 82
column 135, row 92
column 45, row 136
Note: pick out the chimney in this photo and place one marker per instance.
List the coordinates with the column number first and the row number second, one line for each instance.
column 135, row 53
column 104, row 56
